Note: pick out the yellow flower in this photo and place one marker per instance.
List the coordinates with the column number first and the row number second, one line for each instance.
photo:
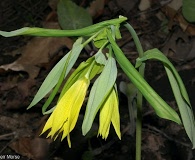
column 109, row 113
column 65, row 115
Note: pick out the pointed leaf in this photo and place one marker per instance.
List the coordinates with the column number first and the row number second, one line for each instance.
column 162, row 109
column 101, row 39
column 100, row 57
column 179, row 91
column 184, row 108
column 99, row 93
column 156, row 54
column 52, row 78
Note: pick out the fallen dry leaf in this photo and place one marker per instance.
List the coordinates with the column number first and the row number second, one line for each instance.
column 33, row 148
column 127, row 5
column 21, row 124
column 37, row 53
column 10, row 123
column 173, row 11
column 144, row 5
column 23, row 135
column 152, row 145
column 96, row 8
column 175, row 4
column 180, row 47
column 187, row 27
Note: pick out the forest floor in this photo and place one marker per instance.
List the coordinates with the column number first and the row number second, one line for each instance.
column 26, row 61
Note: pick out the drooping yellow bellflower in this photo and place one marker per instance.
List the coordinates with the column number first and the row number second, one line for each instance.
column 65, row 115
column 109, row 113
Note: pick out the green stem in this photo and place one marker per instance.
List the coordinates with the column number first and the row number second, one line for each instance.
column 136, row 39
column 43, row 32
column 139, row 95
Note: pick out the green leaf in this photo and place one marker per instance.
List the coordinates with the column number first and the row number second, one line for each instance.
column 188, row 10
column 100, row 57
column 184, row 107
column 101, row 39
column 96, row 69
column 116, row 30
column 99, row 93
column 57, row 87
column 156, row 54
column 53, row 77
column 161, row 108
column 179, row 92
column 71, row 16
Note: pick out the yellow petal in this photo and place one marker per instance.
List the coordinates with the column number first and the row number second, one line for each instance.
column 106, row 132
column 115, row 115
column 66, row 113
column 109, row 113
column 105, row 117
column 68, row 139
column 59, row 117
column 48, row 124
column 75, row 95
column 81, row 90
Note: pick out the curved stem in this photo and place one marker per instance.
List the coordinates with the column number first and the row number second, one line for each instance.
column 43, row 32
column 135, row 39
column 139, row 95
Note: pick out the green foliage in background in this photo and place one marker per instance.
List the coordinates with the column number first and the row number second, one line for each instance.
column 71, row 16
column 188, row 9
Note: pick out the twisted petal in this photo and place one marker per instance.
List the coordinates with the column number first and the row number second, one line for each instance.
column 109, row 113
column 66, row 113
